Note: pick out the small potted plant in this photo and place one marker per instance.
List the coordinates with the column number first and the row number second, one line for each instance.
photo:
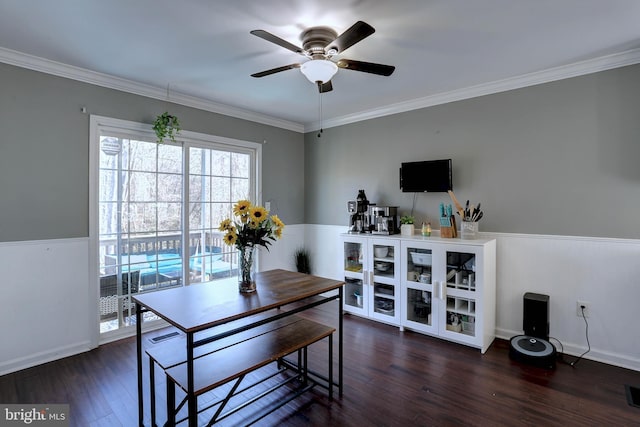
column 406, row 225
column 303, row 260
column 165, row 126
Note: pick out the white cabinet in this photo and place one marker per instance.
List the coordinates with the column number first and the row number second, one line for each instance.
column 372, row 277
column 448, row 289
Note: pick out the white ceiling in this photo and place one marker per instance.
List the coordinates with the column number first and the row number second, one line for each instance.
column 202, row 52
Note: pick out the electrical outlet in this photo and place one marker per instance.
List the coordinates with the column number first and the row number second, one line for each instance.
column 587, row 308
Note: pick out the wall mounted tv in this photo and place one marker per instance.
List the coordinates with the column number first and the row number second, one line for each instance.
column 427, row 176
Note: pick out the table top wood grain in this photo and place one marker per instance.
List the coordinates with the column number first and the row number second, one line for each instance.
column 203, row 305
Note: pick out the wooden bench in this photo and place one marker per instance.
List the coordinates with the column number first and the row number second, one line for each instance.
column 167, row 354
column 232, row 357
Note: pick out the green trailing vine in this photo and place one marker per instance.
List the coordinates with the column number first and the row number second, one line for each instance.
column 166, row 126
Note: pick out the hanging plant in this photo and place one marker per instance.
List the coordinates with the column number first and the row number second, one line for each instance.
column 165, row 126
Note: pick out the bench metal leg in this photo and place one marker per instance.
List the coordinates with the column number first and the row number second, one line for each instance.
column 171, row 403
column 305, row 378
column 152, row 391
column 330, row 367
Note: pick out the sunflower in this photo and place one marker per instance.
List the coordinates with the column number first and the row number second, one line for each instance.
column 242, row 207
column 258, row 214
column 277, row 221
column 226, row 225
column 278, row 232
column 230, row 238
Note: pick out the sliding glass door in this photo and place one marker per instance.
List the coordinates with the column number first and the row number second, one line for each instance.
column 158, row 211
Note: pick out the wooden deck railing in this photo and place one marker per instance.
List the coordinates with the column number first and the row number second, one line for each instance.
column 170, row 243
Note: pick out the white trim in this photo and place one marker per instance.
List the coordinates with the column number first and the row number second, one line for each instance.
column 43, row 242
column 581, row 68
column 35, row 63
column 616, row 240
column 41, row 357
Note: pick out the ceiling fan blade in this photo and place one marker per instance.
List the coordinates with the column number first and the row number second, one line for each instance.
column 357, row 32
column 367, row 67
column 275, row 70
column 277, row 40
column 325, row 87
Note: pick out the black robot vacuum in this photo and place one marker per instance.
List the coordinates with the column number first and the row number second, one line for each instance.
column 533, row 347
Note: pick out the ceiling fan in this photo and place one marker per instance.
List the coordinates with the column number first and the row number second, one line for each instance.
column 320, row 44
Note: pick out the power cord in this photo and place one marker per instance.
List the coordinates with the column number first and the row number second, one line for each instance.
column 586, row 332
column 561, row 354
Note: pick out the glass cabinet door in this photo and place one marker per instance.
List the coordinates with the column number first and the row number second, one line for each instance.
column 355, row 275
column 419, row 292
column 461, row 293
column 354, row 257
column 385, row 268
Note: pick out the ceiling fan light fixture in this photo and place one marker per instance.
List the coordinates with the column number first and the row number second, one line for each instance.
column 319, row 70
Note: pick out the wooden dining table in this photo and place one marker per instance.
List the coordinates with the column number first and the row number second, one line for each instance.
column 198, row 307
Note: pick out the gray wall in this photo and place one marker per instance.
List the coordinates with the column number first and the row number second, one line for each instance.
column 44, row 152
column 558, row 158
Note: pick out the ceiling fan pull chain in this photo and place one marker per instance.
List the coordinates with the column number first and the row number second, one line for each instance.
column 320, row 106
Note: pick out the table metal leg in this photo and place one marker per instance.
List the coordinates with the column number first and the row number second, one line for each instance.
column 340, row 339
column 192, row 402
column 139, row 362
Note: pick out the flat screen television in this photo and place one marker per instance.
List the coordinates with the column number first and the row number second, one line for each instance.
column 426, row 176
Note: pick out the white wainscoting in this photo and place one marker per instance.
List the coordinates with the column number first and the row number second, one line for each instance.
column 48, row 304
column 603, row 272
column 45, row 302
column 280, row 253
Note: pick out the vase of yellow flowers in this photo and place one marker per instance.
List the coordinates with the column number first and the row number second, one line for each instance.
column 251, row 227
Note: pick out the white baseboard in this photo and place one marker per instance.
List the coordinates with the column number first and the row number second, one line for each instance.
column 35, row 359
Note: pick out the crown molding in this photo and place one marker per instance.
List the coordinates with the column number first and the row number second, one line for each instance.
column 581, row 68
column 35, row 63
column 589, row 66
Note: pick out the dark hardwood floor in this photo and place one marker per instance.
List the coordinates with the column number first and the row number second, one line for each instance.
column 392, row 378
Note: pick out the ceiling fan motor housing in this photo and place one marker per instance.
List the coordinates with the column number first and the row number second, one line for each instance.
column 315, row 39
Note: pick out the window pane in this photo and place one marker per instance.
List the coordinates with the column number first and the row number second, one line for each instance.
column 220, row 211
column 141, row 187
column 141, row 217
column 170, row 158
column 240, row 165
column 169, row 216
column 108, row 218
column 239, row 189
column 220, row 163
column 142, row 156
column 220, row 189
column 169, row 187
column 195, row 160
column 195, row 216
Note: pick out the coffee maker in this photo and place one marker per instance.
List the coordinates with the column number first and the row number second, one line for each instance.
column 358, row 209
column 384, row 219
